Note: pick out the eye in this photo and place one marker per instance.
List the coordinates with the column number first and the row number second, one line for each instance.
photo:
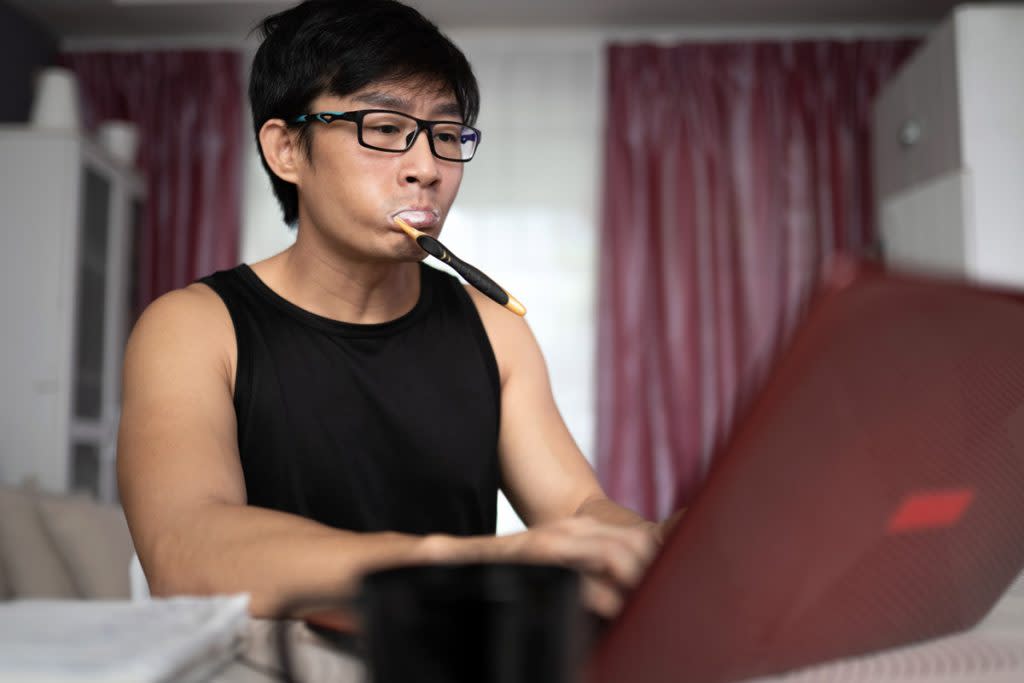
column 386, row 129
column 445, row 138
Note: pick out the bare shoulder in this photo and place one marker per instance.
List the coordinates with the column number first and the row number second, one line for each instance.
column 185, row 327
column 193, row 304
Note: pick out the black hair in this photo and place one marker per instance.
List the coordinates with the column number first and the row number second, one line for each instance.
column 339, row 47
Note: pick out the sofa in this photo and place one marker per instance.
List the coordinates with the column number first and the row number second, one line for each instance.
column 62, row 546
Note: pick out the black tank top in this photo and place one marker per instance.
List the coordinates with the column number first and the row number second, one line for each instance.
column 385, row 427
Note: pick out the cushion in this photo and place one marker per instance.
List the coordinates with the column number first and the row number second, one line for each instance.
column 94, row 542
column 32, row 566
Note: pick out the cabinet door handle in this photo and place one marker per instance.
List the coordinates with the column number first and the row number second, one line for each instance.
column 910, row 132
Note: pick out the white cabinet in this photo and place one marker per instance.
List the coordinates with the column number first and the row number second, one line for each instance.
column 66, row 271
column 917, row 122
column 949, row 150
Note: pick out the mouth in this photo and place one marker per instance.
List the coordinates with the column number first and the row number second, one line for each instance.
column 421, row 219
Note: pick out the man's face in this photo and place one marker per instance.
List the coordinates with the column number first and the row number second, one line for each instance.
column 350, row 194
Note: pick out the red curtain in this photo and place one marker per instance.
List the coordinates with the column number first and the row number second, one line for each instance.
column 188, row 107
column 733, row 172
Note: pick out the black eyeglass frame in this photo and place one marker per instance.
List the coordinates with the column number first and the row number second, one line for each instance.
column 357, row 117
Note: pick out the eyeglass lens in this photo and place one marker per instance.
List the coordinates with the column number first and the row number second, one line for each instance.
column 394, row 132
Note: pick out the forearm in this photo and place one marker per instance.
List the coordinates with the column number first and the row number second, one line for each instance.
column 284, row 561
column 279, row 559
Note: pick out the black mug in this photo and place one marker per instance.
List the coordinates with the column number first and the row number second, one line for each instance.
column 473, row 623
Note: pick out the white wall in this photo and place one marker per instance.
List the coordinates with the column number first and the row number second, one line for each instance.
column 990, row 61
column 527, row 211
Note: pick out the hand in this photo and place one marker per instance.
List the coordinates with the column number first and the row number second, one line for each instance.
column 611, row 558
column 664, row 528
column 659, row 531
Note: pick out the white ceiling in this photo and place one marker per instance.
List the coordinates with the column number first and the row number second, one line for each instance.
column 227, row 19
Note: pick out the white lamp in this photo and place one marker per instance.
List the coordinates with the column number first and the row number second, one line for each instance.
column 56, row 104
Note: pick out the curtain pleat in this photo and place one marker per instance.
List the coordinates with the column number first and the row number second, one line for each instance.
column 733, row 174
column 188, row 107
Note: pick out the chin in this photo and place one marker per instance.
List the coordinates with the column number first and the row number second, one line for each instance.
column 410, row 255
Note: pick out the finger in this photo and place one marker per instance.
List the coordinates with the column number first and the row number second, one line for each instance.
column 608, row 555
column 666, row 527
column 626, row 561
column 636, row 546
column 620, row 554
column 637, row 536
column 601, row 597
column 644, row 540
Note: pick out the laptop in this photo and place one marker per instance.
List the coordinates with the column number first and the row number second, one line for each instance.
column 872, row 496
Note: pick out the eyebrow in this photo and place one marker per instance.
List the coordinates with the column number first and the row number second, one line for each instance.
column 382, row 99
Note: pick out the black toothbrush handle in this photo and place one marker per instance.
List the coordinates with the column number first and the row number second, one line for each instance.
column 473, row 275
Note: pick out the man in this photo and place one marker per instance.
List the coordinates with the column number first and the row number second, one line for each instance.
column 340, row 407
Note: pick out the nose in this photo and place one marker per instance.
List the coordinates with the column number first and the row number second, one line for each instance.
column 419, row 165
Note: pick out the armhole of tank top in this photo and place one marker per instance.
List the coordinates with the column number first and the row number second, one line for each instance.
column 241, row 398
column 476, row 325
column 490, row 361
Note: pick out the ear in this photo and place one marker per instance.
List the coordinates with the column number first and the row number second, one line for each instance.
column 281, row 150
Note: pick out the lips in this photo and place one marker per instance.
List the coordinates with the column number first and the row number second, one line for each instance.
column 418, row 218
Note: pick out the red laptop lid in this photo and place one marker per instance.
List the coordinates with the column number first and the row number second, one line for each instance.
column 873, row 496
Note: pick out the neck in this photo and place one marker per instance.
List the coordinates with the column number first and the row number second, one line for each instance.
column 330, row 285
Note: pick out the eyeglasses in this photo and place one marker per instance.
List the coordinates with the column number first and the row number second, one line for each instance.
column 393, row 131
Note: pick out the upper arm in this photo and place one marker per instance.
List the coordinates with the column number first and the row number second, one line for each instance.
column 544, row 474
column 177, row 445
